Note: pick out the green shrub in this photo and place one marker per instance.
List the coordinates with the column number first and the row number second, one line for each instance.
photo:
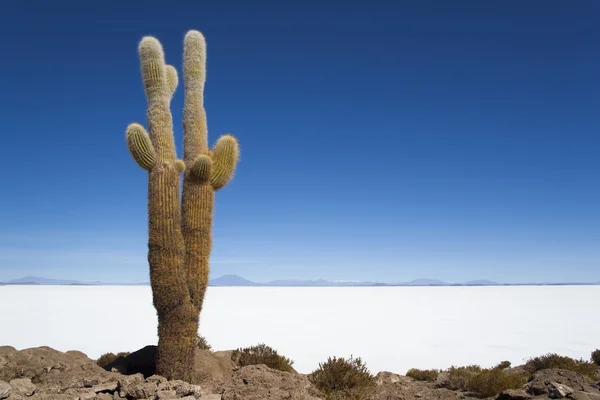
column 553, row 360
column 428, row 375
column 459, row 377
column 596, row 357
column 203, row 344
column 490, row 382
column 338, row 378
column 484, row 382
column 262, row 354
column 503, row 365
column 106, row 359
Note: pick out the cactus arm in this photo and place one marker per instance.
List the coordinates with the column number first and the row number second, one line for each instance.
column 140, row 146
column 180, row 166
column 172, row 79
column 225, row 158
column 194, row 116
column 160, row 121
column 201, row 169
column 198, row 194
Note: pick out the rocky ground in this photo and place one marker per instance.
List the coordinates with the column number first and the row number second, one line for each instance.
column 44, row 373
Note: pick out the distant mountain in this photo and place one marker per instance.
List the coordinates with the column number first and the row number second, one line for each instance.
column 36, row 280
column 235, row 280
column 481, row 282
column 425, row 282
column 317, row 282
column 231, row 280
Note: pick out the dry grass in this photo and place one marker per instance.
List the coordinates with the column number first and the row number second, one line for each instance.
column 428, row 375
column 203, row 344
column 596, row 357
column 484, row 382
column 340, row 378
column 108, row 358
column 503, row 365
column 262, row 354
column 553, row 360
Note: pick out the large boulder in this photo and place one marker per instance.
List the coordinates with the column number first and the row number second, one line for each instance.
column 209, row 365
column 555, row 382
column 259, row 382
column 390, row 386
column 46, row 366
column 45, row 373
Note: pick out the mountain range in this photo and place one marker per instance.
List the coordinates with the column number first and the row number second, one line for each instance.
column 235, row 280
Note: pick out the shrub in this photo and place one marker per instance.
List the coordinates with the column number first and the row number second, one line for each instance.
column 503, row 365
column 262, row 354
column 338, row 378
column 106, row 359
column 596, row 357
column 203, row 344
column 484, row 382
column 553, row 360
column 458, row 377
column 428, row 375
column 490, row 382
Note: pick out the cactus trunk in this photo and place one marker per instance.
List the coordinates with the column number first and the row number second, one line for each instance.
column 180, row 232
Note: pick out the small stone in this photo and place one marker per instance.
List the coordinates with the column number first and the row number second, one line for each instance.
column 87, row 395
column 579, row 395
column 141, row 390
column 558, row 391
column 88, row 383
column 156, row 379
column 106, row 387
column 186, row 389
column 166, row 394
column 5, row 390
column 211, row 397
column 23, row 386
column 512, row 394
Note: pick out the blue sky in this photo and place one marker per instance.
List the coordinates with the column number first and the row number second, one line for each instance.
column 379, row 140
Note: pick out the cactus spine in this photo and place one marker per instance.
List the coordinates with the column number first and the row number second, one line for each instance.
column 180, row 238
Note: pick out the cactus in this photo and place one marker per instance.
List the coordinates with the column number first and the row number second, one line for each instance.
column 180, row 238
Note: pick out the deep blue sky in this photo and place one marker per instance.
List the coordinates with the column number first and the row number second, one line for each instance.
column 381, row 140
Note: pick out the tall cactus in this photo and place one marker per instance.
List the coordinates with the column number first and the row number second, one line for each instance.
column 180, row 239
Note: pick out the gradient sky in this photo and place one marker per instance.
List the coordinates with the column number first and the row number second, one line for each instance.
column 380, row 140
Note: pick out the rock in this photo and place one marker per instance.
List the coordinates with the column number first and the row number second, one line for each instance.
column 579, row 395
column 106, row 387
column 104, row 396
column 211, row 397
column 187, row 389
column 442, row 380
column 397, row 387
column 52, row 371
column 143, row 390
column 166, row 394
column 512, row 394
column 5, row 390
column 87, row 395
column 544, row 382
column 209, row 365
column 385, row 377
column 258, row 382
column 156, row 379
column 558, row 391
column 23, row 386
